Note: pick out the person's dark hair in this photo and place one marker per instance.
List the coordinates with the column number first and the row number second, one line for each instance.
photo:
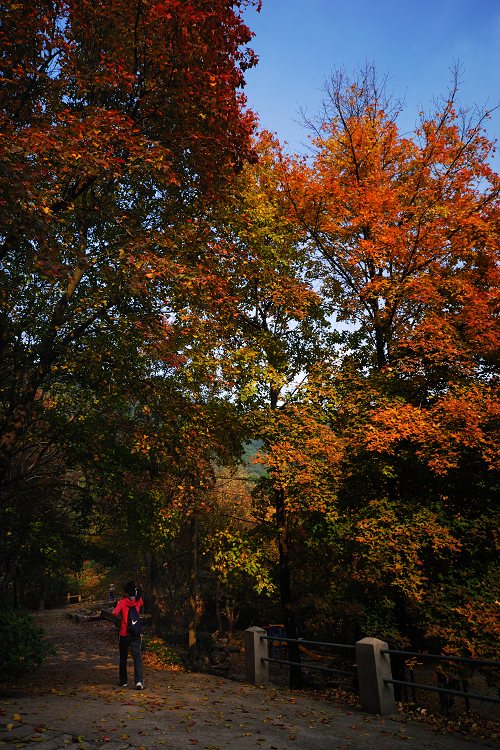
column 130, row 588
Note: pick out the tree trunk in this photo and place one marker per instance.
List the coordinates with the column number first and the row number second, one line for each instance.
column 218, row 608
column 286, row 590
column 232, row 611
column 154, row 573
column 14, row 428
column 193, row 585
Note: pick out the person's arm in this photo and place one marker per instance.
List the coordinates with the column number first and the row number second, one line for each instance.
column 107, row 615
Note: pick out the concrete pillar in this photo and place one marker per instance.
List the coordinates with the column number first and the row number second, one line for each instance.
column 256, row 670
column 373, row 668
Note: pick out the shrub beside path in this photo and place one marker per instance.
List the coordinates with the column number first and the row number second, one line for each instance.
column 73, row 701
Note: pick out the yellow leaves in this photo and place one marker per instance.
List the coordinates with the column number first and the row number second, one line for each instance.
column 248, row 390
column 392, row 544
column 159, row 656
column 305, row 454
column 142, row 444
column 16, row 717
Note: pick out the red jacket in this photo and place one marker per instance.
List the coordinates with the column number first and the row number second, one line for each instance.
column 122, row 608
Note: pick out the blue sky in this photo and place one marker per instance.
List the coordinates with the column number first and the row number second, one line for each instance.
column 301, row 42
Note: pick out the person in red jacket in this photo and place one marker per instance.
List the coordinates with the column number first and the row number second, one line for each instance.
column 128, row 642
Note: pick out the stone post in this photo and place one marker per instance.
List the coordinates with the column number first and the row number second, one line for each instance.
column 256, row 670
column 373, row 668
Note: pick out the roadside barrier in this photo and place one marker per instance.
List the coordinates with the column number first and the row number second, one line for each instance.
column 373, row 673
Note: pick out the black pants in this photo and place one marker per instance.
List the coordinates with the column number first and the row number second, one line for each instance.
column 134, row 644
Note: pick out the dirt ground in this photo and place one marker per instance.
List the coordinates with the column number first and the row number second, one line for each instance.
column 74, row 700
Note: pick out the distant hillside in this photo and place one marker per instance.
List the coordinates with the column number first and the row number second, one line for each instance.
column 250, row 450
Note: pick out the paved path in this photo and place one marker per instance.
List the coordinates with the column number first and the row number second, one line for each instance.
column 73, row 702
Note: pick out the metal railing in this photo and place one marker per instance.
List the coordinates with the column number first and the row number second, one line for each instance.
column 477, row 664
column 308, row 665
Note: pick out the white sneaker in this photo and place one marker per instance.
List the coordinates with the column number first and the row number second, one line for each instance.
column 139, row 686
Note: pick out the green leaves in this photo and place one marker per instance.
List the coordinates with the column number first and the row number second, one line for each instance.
column 26, row 647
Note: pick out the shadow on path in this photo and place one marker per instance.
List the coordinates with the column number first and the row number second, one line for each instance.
column 73, row 701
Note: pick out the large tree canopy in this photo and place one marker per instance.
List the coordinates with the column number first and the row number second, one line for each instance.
column 171, row 288
column 119, row 122
column 115, row 118
column 405, row 233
